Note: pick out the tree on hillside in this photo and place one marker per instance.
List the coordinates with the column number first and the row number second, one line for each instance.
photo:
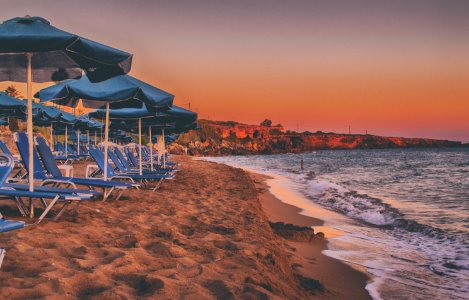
column 266, row 123
column 13, row 92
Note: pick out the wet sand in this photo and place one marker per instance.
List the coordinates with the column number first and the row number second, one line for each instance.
column 204, row 235
column 341, row 281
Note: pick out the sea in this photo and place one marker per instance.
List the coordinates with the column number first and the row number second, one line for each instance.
column 404, row 213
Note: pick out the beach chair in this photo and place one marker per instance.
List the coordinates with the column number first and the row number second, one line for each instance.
column 66, row 199
column 64, row 159
column 123, row 167
column 135, row 163
column 109, row 187
column 7, row 225
column 17, row 161
column 98, row 157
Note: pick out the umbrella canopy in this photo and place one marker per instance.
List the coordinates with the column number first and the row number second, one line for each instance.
column 58, row 55
column 120, row 92
column 10, row 106
column 127, row 118
column 83, row 138
column 147, row 117
column 46, row 53
column 9, row 102
column 44, row 115
column 85, row 123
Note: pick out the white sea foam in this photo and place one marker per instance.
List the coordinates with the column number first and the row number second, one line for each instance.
column 407, row 254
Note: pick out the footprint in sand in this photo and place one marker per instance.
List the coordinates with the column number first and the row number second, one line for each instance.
column 143, row 285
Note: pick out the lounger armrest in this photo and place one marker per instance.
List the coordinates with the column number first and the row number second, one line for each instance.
column 47, row 181
column 123, row 177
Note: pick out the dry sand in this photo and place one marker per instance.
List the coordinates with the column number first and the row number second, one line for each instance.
column 201, row 236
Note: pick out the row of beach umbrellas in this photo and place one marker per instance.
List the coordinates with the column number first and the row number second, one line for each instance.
column 32, row 50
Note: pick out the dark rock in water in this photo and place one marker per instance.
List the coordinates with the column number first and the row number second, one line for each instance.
column 309, row 284
column 452, row 266
column 320, row 235
column 293, row 232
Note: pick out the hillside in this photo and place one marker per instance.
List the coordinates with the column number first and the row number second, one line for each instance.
column 232, row 138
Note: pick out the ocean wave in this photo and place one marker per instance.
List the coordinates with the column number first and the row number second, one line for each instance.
column 362, row 207
column 357, row 206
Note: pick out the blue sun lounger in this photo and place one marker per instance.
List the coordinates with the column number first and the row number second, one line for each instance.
column 98, row 157
column 108, row 186
column 7, row 151
column 7, row 225
column 66, row 199
column 134, row 161
column 17, row 186
column 124, row 168
column 65, row 159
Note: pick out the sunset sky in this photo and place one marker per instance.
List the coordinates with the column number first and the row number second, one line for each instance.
column 398, row 68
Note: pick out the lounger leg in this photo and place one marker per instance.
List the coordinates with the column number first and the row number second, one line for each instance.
column 21, row 207
column 44, row 203
column 158, row 184
column 61, row 211
column 105, row 194
column 75, row 207
column 2, row 256
column 119, row 195
column 49, row 207
column 31, row 208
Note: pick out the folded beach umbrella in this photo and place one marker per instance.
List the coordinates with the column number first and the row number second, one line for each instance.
column 122, row 91
column 33, row 50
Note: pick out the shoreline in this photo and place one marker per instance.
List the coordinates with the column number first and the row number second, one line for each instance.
column 204, row 235
column 340, row 279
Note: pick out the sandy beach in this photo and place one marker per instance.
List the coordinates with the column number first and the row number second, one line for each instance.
column 204, row 235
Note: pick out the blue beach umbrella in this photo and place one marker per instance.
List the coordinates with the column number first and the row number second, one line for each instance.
column 90, row 125
column 51, row 116
column 122, row 91
column 46, row 53
column 148, row 117
column 11, row 106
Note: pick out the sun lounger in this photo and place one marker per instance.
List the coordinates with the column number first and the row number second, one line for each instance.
column 135, row 163
column 108, row 186
column 98, row 156
column 7, row 225
column 66, row 199
column 123, row 167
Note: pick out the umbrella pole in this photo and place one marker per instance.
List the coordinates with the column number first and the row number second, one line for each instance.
column 66, row 141
column 151, row 148
column 88, row 143
column 51, row 138
column 95, row 137
column 158, row 141
column 164, row 151
column 30, row 124
column 78, row 141
column 140, row 143
column 106, row 139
